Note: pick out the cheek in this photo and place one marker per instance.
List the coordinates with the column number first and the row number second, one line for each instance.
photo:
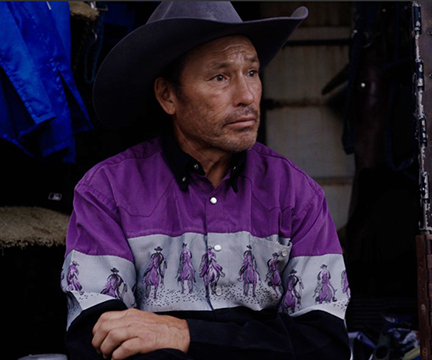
column 258, row 92
column 197, row 117
column 214, row 110
column 219, row 111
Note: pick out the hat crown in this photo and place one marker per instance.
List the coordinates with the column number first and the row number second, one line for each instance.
column 222, row 11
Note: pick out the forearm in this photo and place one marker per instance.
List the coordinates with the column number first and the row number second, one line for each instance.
column 316, row 335
column 234, row 334
column 79, row 336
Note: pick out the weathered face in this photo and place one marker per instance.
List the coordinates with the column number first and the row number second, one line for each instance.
column 217, row 107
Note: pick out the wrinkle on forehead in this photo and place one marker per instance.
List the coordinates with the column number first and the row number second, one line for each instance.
column 226, row 50
column 232, row 57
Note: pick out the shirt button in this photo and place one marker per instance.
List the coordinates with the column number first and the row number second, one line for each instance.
column 217, row 248
column 218, row 291
column 196, row 166
column 284, row 252
column 213, row 200
column 184, row 179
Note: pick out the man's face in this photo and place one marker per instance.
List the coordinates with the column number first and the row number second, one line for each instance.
column 217, row 107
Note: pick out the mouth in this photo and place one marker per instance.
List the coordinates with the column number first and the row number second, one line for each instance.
column 243, row 122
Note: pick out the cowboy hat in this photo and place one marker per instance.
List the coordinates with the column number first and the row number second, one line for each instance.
column 126, row 76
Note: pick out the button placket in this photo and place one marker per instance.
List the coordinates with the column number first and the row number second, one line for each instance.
column 214, row 219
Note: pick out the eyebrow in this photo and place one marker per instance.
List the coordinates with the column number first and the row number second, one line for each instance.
column 223, row 65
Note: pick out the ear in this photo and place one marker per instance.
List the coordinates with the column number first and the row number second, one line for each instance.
column 165, row 95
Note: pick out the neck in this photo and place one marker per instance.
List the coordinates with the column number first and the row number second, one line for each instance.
column 215, row 162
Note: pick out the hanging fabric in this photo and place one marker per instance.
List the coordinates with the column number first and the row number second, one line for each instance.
column 40, row 107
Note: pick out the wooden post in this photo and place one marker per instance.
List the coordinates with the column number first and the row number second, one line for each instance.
column 424, row 283
column 422, row 32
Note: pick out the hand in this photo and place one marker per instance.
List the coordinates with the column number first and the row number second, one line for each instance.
column 121, row 334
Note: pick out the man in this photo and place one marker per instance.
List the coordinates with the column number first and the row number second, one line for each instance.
column 208, row 188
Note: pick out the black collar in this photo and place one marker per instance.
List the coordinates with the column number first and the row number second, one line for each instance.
column 181, row 163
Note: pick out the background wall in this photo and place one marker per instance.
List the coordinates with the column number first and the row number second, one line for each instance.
column 301, row 123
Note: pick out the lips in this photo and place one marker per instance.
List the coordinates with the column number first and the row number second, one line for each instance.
column 250, row 116
column 242, row 123
column 243, row 120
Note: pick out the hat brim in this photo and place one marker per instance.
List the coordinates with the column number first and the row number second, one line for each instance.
column 127, row 73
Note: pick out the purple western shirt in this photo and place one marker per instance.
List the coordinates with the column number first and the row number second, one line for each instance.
column 149, row 230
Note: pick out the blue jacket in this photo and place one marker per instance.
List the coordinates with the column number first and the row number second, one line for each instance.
column 40, row 107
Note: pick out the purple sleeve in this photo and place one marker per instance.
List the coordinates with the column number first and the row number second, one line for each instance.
column 98, row 265
column 312, row 229
column 95, row 227
column 315, row 277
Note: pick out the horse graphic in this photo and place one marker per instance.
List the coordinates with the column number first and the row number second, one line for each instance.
column 248, row 272
column 155, row 272
column 186, row 271
column 210, row 271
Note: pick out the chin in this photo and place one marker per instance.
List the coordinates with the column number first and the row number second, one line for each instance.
column 239, row 145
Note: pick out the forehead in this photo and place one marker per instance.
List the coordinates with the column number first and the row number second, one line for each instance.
column 224, row 49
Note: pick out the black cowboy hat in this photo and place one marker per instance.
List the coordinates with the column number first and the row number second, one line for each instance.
column 126, row 76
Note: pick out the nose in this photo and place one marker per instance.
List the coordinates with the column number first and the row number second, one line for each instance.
column 244, row 93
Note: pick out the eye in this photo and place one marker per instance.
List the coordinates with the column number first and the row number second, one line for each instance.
column 252, row 73
column 219, row 78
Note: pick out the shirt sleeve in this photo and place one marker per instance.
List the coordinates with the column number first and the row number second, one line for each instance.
column 316, row 335
column 79, row 335
column 98, row 266
column 315, row 277
column 251, row 335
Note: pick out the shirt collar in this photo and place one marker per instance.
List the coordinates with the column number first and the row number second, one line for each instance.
column 182, row 164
